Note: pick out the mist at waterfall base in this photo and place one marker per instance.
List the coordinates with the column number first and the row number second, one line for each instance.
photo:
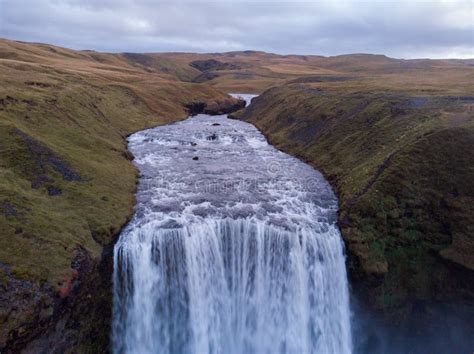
column 430, row 327
column 233, row 248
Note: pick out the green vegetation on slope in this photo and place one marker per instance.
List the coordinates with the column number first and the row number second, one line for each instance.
column 66, row 179
column 403, row 167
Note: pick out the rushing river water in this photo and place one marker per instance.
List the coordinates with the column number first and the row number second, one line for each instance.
column 233, row 248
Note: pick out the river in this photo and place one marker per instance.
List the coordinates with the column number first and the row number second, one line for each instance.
column 233, row 248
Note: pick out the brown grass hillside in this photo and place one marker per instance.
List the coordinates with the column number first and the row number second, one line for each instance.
column 398, row 149
column 257, row 71
column 67, row 182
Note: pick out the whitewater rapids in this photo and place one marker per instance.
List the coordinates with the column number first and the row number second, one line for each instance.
column 233, row 248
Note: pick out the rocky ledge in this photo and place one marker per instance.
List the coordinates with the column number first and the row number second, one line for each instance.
column 215, row 108
column 76, row 318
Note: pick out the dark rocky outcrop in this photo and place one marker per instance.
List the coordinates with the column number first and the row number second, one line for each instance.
column 77, row 316
column 195, row 108
column 215, row 108
column 209, row 69
column 139, row 58
column 212, row 64
column 43, row 159
column 212, row 137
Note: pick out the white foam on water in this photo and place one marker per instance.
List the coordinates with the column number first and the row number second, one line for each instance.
column 236, row 252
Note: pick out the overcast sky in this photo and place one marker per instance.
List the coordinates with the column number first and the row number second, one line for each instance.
column 402, row 29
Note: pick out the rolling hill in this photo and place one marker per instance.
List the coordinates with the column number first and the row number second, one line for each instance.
column 394, row 137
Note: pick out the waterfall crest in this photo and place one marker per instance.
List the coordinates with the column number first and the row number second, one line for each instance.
column 238, row 254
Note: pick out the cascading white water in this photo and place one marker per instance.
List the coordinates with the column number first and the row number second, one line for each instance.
column 236, row 251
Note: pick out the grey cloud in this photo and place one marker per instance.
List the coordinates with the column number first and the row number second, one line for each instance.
column 438, row 28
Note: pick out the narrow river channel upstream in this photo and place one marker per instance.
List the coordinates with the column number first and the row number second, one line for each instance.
column 233, row 248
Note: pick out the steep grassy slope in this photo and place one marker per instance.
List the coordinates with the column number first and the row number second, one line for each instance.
column 66, row 181
column 403, row 167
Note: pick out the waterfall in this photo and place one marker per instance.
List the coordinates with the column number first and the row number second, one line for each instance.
column 238, row 254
